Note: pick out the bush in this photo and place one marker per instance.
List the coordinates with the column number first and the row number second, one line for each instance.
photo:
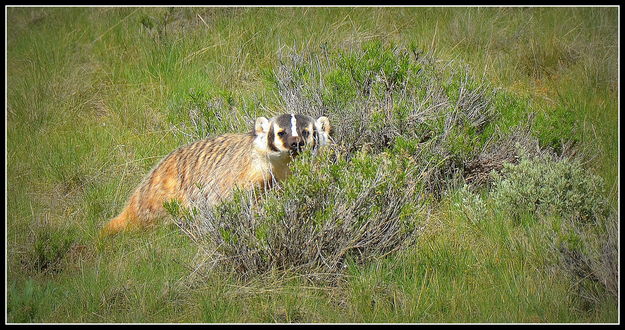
column 559, row 191
column 545, row 185
column 591, row 255
column 500, row 149
column 586, row 238
column 330, row 211
column 378, row 93
column 382, row 97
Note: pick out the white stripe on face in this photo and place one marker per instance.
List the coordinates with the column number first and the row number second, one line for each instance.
column 293, row 125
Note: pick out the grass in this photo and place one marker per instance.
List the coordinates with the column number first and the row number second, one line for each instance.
column 96, row 96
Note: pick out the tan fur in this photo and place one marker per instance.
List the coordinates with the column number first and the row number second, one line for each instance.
column 207, row 169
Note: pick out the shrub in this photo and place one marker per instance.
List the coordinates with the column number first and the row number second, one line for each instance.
column 562, row 193
column 380, row 96
column 332, row 209
column 586, row 240
column 500, row 149
column 591, row 255
column 545, row 185
column 380, row 92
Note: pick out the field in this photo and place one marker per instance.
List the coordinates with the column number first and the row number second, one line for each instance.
column 486, row 139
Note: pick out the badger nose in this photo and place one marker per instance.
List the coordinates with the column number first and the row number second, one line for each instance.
column 295, row 142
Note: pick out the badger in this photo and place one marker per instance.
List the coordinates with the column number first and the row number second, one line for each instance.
column 210, row 169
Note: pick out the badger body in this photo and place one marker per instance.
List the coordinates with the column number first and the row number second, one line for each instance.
column 208, row 170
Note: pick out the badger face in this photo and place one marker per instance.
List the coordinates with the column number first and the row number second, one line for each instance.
column 291, row 133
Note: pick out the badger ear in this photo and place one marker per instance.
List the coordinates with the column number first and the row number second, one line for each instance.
column 261, row 126
column 323, row 124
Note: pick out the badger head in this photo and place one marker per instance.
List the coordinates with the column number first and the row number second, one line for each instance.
column 289, row 134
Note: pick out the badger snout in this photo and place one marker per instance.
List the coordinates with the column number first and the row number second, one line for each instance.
column 295, row 143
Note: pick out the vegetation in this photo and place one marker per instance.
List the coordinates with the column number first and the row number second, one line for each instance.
column 473, row 175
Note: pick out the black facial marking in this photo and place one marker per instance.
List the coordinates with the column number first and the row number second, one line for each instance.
column 292, row 140
column 284, row 122
column 303, row 122
column 315, row 137
column 270, row 140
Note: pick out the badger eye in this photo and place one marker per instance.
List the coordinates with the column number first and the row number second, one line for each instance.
column 281, row 133
column 305, row 133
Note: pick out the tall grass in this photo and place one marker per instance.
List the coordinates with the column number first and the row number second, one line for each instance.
column 96, row 96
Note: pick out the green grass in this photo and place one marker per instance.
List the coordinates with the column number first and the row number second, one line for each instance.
column 94, row 97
